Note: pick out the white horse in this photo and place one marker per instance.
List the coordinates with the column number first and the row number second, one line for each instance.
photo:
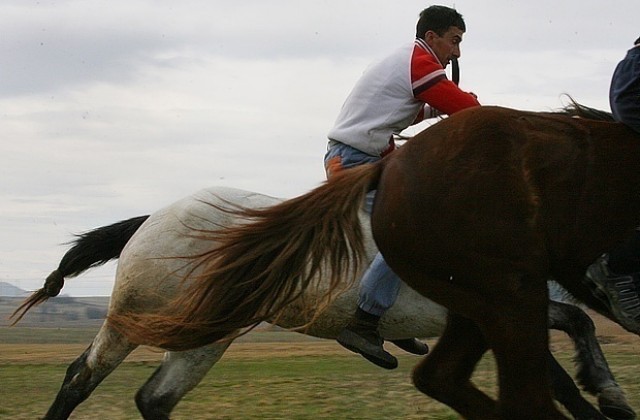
column 157, row 252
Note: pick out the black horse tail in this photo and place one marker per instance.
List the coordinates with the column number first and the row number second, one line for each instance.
column 90, row 249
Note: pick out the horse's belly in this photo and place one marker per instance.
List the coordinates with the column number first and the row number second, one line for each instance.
column 412, row 315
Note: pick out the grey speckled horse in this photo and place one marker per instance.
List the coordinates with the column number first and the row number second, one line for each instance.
column 155, row 254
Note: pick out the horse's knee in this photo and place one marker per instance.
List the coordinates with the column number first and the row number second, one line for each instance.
column 153, row 406
column 421, row 378
column 178, row 374
column 155, row 401
column 432, row 381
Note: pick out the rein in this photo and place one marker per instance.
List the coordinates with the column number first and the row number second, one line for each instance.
column 455, row 71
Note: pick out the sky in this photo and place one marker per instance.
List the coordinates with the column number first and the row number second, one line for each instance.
column 114, row 109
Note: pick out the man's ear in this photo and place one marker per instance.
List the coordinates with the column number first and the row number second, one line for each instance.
column 429, row 36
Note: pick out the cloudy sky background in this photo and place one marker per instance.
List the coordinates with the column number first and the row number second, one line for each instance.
column 113, row 109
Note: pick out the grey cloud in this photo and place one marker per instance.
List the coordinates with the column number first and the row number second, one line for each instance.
column 53, row 46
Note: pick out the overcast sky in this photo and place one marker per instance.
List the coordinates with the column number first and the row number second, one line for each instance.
column 113, row 109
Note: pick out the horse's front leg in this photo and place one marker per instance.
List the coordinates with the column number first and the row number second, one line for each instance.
column 444, row 374
column 515, row 327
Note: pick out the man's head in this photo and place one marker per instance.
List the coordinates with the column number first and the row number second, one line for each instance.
column 637, row 42
column 442, row 28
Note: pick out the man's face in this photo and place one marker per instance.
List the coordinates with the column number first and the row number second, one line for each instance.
column 446, row 46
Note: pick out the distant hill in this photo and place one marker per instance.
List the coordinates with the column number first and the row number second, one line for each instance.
column 59, row 311
column 9, row 290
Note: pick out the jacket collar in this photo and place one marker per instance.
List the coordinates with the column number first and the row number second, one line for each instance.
column 421, row 43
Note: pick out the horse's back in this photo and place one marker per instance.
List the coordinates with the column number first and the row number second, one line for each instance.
column 161, row 252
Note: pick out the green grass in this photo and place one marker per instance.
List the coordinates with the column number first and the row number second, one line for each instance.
column 335, row 387
column 248, row 386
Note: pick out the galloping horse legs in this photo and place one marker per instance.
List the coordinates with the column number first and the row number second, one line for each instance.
column 107, row 351
column 444, row 374
column 593, row 370
column 178, row 374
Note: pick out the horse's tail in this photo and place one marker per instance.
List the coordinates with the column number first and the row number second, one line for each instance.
column 260, row 266
column 90, row 249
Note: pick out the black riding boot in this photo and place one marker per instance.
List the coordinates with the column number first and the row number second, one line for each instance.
column 412, row 345
column 361, row 336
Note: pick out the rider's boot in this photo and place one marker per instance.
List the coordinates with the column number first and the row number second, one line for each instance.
column 621, row 293
column 361, row 336
column 412, row 345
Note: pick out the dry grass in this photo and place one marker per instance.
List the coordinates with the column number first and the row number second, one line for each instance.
column 293, row 377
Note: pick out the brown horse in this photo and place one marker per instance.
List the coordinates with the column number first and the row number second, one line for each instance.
column 476, row 212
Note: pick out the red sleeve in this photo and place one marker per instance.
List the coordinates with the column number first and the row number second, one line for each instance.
column 447, row 98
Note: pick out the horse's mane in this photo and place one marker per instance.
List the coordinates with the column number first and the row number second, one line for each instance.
column 574, row 109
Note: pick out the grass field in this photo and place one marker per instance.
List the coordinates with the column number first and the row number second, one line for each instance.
column 266, row 375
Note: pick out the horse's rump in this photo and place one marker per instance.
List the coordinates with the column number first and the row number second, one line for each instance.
column 258, row 267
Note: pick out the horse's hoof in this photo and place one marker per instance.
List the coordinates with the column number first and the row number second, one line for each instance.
column 613, row 404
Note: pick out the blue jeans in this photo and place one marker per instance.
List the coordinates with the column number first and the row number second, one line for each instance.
column 379, row 285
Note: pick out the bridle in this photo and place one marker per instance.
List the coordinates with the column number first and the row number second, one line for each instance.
column 455, row 71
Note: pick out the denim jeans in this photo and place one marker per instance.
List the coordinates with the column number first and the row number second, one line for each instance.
column 379, row 285
column 340, row 156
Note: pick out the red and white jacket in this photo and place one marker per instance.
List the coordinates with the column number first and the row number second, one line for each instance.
column 392, row 94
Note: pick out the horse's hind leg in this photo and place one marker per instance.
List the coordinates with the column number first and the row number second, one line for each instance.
column 178, row 374
column 444, row 374
column 593, row 370
column 105, row 353
column 567, row 393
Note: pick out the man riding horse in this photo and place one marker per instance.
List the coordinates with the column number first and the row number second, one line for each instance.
column 403, row 89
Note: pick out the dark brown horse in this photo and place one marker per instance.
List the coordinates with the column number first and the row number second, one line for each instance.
column 475, row 213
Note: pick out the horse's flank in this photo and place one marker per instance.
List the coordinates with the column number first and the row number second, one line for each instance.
column 277, row 254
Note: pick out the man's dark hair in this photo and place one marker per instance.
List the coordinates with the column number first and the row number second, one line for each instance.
column 637, row 42
column 438, row 19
